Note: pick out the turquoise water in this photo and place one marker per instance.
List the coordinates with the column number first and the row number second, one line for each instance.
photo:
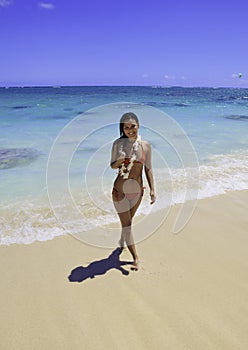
column 187, row 127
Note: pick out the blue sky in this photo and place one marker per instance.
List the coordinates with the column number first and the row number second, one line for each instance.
column 123, row 42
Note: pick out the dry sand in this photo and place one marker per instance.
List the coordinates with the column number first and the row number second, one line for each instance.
column 191, row 291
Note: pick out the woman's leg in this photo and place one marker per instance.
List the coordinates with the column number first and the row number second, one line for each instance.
column 126, row 210
column 132, row 247
column 121, row 205
column 135, row 205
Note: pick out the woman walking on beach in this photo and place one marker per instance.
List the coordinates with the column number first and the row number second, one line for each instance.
column 129, row 155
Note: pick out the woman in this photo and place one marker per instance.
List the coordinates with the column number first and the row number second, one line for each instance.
column 129, row 155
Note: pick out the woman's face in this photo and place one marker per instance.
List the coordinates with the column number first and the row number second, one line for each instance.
column 130, row 129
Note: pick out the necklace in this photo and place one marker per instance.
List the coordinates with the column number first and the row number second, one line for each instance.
column 126, row 166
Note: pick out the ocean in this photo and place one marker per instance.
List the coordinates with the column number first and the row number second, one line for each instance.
column 55, row 147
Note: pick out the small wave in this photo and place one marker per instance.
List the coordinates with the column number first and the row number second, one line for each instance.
column 155, row 103
column 87, row 149
column 34, row 220
column 218, row 175
column 181, row 104
column 223, row 173
column 24, row 223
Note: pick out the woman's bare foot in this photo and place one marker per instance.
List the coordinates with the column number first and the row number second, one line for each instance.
column 135, row 265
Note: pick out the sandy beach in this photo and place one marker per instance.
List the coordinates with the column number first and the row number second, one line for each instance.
column 191, row 291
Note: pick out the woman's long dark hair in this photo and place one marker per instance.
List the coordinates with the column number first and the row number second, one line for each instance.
column 126, row 117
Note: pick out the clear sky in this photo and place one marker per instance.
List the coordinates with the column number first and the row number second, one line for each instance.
column 124, row 42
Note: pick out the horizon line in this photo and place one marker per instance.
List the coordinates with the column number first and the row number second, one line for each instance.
column 104, row 85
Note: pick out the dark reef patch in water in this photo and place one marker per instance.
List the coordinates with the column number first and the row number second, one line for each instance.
column 13, row 157
column 237, row 117
column 53, row 117
column 164, row 104
column 21, row 107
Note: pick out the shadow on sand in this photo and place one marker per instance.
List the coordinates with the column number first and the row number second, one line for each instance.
column 100, row 267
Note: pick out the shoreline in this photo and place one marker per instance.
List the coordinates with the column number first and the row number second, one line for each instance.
column 190, row 292
column 47, row 221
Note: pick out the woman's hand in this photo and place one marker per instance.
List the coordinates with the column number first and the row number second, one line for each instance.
column 153, row 197
column 117, row 163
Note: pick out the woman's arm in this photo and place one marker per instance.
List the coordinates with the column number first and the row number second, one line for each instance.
column 117, row 158
column 148, row 172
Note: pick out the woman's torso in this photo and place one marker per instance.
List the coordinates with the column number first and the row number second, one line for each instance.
column 135, row 174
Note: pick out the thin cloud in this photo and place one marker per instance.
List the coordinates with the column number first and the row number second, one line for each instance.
column 46, row 5
column 5, row 3
column 169, row 77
